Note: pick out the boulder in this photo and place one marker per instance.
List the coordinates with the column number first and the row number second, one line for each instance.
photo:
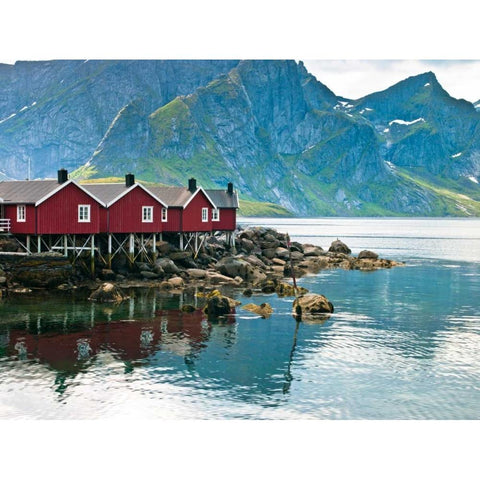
column 282, row 253
column 107, row 293
column 311, row 304
column 284, row 289
column 43, row 270
column 312, row 251
column 246, row 245
column 148, row 275
column 338, row 246
column 167, row 265
column 264, row 310
column 196, row 273
column 107, row 274
column 238, row 267
column 176, row 282
column 218, row 304
column 367, row 254
column 296, row 256
column 217, row 278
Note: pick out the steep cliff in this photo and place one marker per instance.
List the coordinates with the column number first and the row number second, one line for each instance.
column 269, row 126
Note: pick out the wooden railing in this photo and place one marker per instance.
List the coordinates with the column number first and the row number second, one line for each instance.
column 4, row 225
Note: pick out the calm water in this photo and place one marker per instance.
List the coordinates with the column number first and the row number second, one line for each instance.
column 402, row 344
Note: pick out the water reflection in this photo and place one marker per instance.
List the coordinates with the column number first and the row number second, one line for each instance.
column 402, row 343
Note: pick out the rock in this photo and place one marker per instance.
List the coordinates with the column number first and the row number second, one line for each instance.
column 196, row 273
column 311, row 304
column 264, row 310
column 282, row 253
column 167, row 265
column 247, row 245
column 158, row 270
column 255, row 261
column 268, row 286
column 46, row 270
column 237, row 267
column 108, row 293
column 367, row 254
column 312, row 251
column 163, row 248
column 148, row 275
column 284, row 289
column 217, row 305
column 296, row 247
column 338, row 246
column 269, row 253
column 278, row 261
column 248, row 292
column 217, row 278
column 180, row 255
column 107, row 274
column 296, row 256
column 176, row 282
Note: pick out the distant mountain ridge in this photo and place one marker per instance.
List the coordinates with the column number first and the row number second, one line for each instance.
column 269, row 126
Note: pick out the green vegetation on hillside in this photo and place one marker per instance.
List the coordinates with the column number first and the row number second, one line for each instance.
column 262, row 209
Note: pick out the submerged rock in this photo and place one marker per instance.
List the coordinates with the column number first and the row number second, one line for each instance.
column 284, row 289
column 312, row 304
column 108, row 293
column 264, row 310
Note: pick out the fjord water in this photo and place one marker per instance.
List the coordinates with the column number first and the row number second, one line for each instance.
column 403, row 343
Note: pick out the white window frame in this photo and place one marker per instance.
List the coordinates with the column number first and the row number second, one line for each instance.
column 215, row 214
column 164, row 214
column 21, row 213
column 147, row 214
column 84, row 213
column 205, row 214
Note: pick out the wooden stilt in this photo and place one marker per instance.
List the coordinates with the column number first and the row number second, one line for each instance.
column 131, row 250
column 28, row 245
column 154, row 247
column 92, row 256
column 65, row 245
column 39, row 244
column 109, row 254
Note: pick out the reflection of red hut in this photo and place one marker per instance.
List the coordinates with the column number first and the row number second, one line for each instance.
column 174, row 331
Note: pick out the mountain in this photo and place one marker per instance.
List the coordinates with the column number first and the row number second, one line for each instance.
column 269, row 126
column 57, row 113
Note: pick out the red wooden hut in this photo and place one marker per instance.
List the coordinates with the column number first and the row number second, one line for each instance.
column 224, row 217
column 46, row 207
column 129, row 207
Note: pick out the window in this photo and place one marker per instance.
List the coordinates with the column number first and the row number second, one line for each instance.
column 215, row 215
column 147, row 214
column 84, row 213
column 164, row 214
column 21, row 213
column 204, row 214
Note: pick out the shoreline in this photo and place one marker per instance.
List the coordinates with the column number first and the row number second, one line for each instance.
column 260, row 261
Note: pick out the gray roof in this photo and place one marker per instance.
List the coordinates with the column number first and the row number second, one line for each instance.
column 105, row 192
column 26, row 191
column 222, row 199
column 172, row 196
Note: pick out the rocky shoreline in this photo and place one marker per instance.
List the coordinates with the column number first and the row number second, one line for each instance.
column 261, row 261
